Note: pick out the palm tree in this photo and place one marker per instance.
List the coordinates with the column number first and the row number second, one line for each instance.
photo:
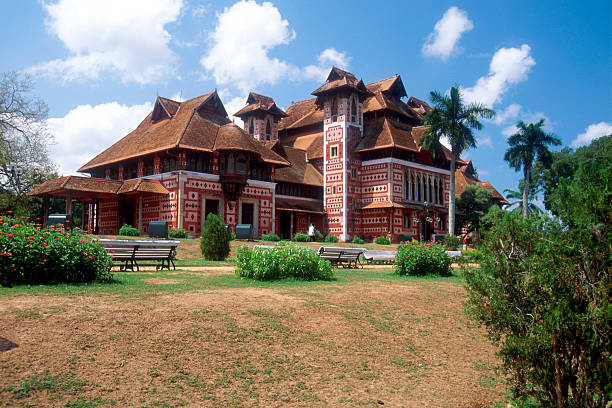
column 451, row 118
column 517, row 196
column 530, row 140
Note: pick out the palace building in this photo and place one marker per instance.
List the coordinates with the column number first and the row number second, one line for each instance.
column 347, row 160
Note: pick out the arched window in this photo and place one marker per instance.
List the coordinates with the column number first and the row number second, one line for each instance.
column 268, row 130
column 252, row 127
column 230, row 163
column 353, row 110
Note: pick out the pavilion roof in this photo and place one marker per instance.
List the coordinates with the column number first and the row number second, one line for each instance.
column 92, row 186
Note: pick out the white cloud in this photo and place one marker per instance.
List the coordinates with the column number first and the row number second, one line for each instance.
column 126, row 38
column 328, row 58
column 508, row 66
column 232, row 104
column 199, row 11
column 87, row 130
column 240, row 45
column 592, row 132
column 484, row 141
column 528, row 117
column 447, row 32
column 244, row 35
column 511, row 112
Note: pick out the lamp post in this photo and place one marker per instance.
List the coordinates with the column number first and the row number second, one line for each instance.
column 427, row 219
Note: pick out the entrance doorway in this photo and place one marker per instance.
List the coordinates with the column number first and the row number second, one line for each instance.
column 211, row 206
column 247, row 214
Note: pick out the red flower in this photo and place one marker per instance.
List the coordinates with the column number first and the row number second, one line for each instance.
column 9, row 254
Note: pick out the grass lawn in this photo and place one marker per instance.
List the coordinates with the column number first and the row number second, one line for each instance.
column 203, row 337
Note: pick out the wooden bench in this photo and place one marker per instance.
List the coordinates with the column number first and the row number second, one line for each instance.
column 130, row 251
column 378, row 256
column 340, row 256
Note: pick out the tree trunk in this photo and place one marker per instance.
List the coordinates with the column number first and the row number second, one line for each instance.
column 451, row 196
column 526, row 190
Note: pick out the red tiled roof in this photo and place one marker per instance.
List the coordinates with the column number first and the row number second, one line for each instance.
column 300, row 171
column 97, row 185
column 260, row 103
column 297, row 111
column 385, row 133
column 340, row 79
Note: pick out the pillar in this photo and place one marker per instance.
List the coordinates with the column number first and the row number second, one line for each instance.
column 82, row 214
column 121, row 175
column 141, row 168
column 45, row 210
column 140, row 212
column 156, row 165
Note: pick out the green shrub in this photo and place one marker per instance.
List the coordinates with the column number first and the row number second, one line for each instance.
column 299, row 237
column 382, row 241
column 357, row 240
column 422, row 258
column 452, row 242
column 270, row 237
column 282, row 261
column 128, row 231
column 318, row 236
column 331, row 238
column 31, row 255
column 215, row 239
column 177, row 233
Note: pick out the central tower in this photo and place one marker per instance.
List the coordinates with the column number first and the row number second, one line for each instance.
column 341, row 98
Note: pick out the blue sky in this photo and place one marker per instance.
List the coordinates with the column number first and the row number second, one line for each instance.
column 100, row 64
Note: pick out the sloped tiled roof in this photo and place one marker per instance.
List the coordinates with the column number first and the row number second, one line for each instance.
column 382, row 204
column 299, row 205
column 297, row 111
column 340, row 79
column 300, row 171
column 385, row 133
column 260, row 103
column 392, row 85
column 97, row 185
column 191, row 126
column 464, row 176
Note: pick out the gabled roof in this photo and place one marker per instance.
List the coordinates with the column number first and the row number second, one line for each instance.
column 300, row 171
column 392, row 85
column 418, row 106
column 260, row 103
column 200, row 123
column 465, row 175
column 302, row 113
column 339, row 79
column 385, row 133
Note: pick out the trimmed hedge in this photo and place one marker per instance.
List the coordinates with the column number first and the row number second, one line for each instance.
column 331, row 238
column 31, row 255
column 177, row 233
column 282, row 261
column 128, row 231
column 299, row 237
column 422, row 258
column 382, row 241
column 270, row 237
column 215, row 239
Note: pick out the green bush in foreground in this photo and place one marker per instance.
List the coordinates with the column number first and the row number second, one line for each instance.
column 31, row 255
column 177, row 233
column 331, row 238
column 318, row 236
column 282, row 261
column 452, row 242
column 270, row 237
column 215, row 239
column 299, row 237
column 382, row 241
column 422, row 258
column 357, row 240
column 128, row 231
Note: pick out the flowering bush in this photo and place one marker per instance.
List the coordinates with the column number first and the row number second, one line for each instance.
column 422, row 258
column 282, row 261
column 30, row 254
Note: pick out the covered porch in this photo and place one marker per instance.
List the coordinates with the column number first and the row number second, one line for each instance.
column 295, row 215
column 105, row 204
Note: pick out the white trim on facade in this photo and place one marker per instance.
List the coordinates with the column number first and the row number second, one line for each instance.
column 313, row 200
column 406, row 163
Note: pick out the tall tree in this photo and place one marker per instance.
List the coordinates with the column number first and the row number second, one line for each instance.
column 24, row 160
column 517, row 196
column 530, row 140
column 472, row 204
column 452, row 119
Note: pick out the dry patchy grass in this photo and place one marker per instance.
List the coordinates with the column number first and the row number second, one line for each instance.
column 206, row 338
